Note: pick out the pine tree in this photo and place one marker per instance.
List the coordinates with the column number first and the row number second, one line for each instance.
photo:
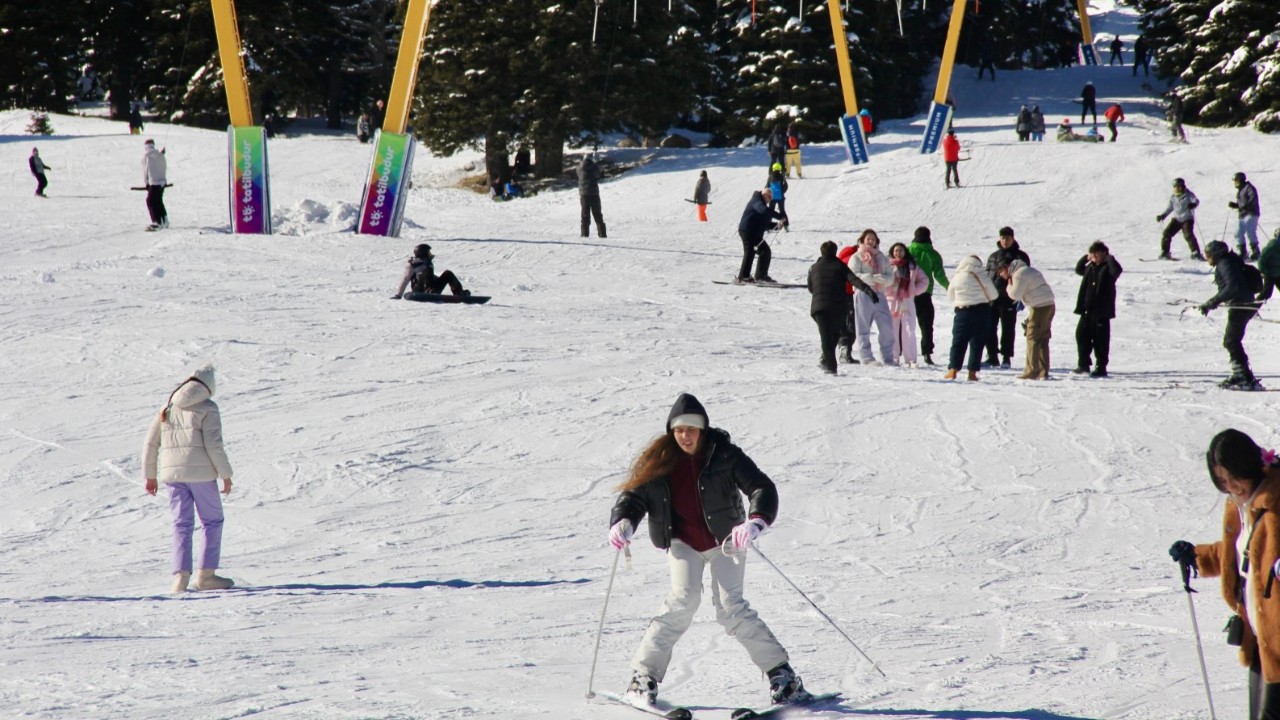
column 1222, row 80
column 40, row 54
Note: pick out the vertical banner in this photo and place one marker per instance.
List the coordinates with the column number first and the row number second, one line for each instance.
column 387, row 187
column 248, row 194
column 1088, row 54
column 940, row 118
column 855, row 143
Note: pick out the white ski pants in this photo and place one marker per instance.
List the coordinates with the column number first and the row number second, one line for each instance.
column 868, row 314
column 732, row 611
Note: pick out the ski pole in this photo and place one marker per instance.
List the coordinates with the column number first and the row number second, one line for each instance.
column 600, row 629
column 1195, row 627
column 823, row 614
column 1224, row 228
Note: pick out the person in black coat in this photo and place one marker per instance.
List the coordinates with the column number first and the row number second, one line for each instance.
column 756, row 219
column 691, row 481
column 589, row 175
column 1096, row 306
column 38, row 169
column 778, row 147
column 1004, row 311
column 1140, row 56
column 829, row 306
column 1089, row 102
column 1242, row 306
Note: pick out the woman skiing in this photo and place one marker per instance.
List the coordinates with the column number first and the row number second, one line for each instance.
column 690, row 481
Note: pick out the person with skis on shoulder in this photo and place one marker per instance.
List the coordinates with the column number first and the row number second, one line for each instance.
column 154, row 178
column 778, row 186
column 1027, row 287
column 38, row 169
column 871, row 265
column 589, row 175
column 184, row 450
column 1245, row 560
column 1089, row 102
column 1233, row 291
column 1004, row 310
column 909, row 282
column 930, row 263
column 1096, row 306
column 756, row 219
column 971, row 294
column 1247, row 211
column 1114, row 114
column 1182, row 207
column 793, row 151
column 951, row 157
column 420, row 276
column 829, row 307
column 691, row 481
column 702, row 195
column 1037, row 124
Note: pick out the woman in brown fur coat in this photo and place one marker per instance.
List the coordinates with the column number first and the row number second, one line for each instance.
column 1246, row 558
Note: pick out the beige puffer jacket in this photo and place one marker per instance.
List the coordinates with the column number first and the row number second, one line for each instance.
column 1028, row 285
column 187, row 446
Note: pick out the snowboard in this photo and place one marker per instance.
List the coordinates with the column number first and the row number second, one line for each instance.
column 661, row 710
column 781, row 286
column 780, row 710
column 168, row 185
column 447, row 299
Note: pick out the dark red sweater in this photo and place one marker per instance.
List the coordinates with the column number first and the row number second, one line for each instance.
column 689, row 524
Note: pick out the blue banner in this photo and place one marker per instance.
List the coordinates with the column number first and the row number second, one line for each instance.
column 939, row 121
column 1088, row 55
column 855, row 143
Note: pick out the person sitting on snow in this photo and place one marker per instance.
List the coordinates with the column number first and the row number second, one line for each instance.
column 420, row 275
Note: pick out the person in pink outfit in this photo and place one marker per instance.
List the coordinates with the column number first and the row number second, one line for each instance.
column 908, row 282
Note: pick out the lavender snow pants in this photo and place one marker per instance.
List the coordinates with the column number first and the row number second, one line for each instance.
column 185, row 501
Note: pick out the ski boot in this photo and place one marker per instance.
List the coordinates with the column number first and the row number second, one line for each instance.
column 642, row 689
column 785, row 685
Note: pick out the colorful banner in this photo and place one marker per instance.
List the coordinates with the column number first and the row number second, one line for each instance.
column 939, row 121
column 387, row 187
column 855, row 143
column 248, row 192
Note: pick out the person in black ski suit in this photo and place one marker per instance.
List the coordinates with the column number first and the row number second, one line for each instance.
column 589, row 195
column 1116, row 46
column 757, row 218
column 1089, row 102
column 1096, row 306
column 1140, row 56
column 1234, row 292
column 690, row 481
column 1004, row 311
column 778, row 147
column 38, row 169
column 829, row 307
column 420, row 275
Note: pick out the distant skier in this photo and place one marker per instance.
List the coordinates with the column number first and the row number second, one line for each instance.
column 1174, row 114
column 1116, row 46
column 1028, row 287
column 154, row 177
column 702, row 195
column 1096, row 306
column 756, row 219
column 1089, row 102
column 1247, row 211
column 1004, row 310
column 420, row 276
column 691, row 481
column 1037, row 124
column 868, row 123
column 135, row 120
column 1114, row 115
column 1182, row 208
column 778, row 186
column 951, row 157
column 987, row 57
column 1140, row 56
column 38, row 169
column 377, row 115
column 777, row 146
column 1022, row 126
column 1235, row 293
column 364, row 128
column 589, row 195
column 793, row 152
column 930, row 262
column 829, row 306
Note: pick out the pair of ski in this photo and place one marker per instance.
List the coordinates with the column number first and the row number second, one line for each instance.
column 757, row 283
column 671, row 712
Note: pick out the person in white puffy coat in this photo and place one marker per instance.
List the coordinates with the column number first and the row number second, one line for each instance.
column 872, row 267
column 908, row 282
column 1028, row 286
column 155, row 178
column 184, row 450
column 971, row 293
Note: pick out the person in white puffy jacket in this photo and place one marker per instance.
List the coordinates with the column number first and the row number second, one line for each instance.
column 1028, row 286
column 155, row 178
column 184, row 450
column 971, row 293
column 872, row 267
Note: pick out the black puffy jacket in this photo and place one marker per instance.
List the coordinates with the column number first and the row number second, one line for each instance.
column 1228, row 275
column 1097, row 294
column 826, row 283
column 727, row 475
column 1004, row 256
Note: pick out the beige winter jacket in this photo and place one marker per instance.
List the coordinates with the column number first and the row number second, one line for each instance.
column 187, row 446
column 1028, row 285
column 970, row 285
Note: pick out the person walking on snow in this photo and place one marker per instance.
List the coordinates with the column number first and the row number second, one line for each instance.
column 971, row 294
column 829, row 306
column 154, row 177
column 420, row 275
column 777, row 147
column 184, row 450
column 702, row 195
column 1174, row 113
column 951, row 156
column 793, row 152
column 691, row 481
column 1089, row 102
column 1028, row 286
column 756, row 219
column 1242, row 306
column 1096, row 306
column 1248, row 210
column 1022, row 126
column 1116, row 46
column 872, row 267
column 1140, row 56
column 589, row 195
column 1004, row 310
column 1182, row 206
column 1037, row 124
column 1245, row 558
column 930, row 263
column 909, row 282
column 38, row 169
column 1114, row 114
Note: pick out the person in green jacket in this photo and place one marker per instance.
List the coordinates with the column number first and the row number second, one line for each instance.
column 930, row 262
column 1269, row 265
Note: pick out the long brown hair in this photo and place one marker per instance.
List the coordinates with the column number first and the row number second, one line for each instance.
column 656, row 460
column 867, row 232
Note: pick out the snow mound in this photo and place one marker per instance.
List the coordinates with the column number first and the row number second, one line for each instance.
column 156, row 272
column 46, row 278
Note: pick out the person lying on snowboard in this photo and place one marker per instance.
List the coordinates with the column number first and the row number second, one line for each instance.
column 420, row 275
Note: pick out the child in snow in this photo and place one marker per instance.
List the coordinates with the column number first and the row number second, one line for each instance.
column 702, row 195
column 1242, row 306
column 872, row 267
column 971, row 294
column 420, row 275
column 909, row 281
column 38, row 169
column 184, row 451
column 778, row 186
column 690, row 482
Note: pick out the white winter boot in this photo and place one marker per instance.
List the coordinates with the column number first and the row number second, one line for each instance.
column 180, row 581
column 206, row 580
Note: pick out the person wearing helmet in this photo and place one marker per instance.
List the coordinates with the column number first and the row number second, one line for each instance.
column 778, row 185
column 420, row 274
column 1247, row 208
column 1182, row 206
column 1234, row 292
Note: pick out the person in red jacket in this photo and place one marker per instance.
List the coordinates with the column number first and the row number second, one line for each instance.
column 951, row 156
column 1114, row 114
